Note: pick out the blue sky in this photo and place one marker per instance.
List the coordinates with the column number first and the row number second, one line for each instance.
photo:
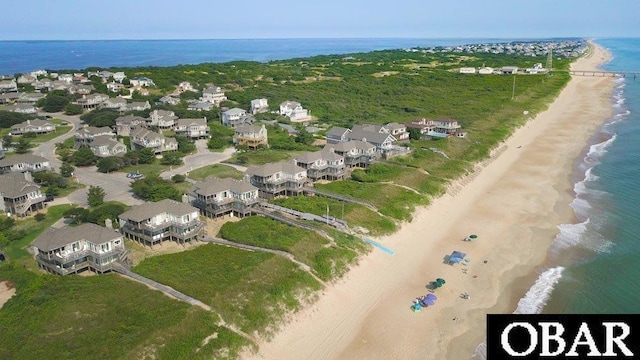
column 215, row 19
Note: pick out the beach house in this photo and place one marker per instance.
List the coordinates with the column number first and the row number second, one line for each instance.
column 84, row 136
column 24, row 162
column 259, row 106
column 166, row 220
column 337, row 134
column 399, row 131
column 374, row 134
column 141, row 81
column 19, row 195
column 136, row 106
column 213, row 95
column 294, row 111
column 30, row 98
column 8, row 86
column 322, row 165
column 35, row 126
column 217, row 197
column 277, row 179
column 144, row 138
column 105, row 146
column 235, row 116
column 91, row 101
column 163, row 119
column 251, row 136
column 116, row 103
column 70, row 250
column 200, row 106
column 192, row 128
column 124, row 124
column 467, row 70
column 22, row 109
column 356, row 153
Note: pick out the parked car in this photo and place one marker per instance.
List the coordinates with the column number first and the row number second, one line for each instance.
column 48, row 198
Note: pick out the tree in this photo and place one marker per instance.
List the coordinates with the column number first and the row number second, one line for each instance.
column 73, row 109
column 106, row 211
column 171, row 158
column 7, row 140
column 66, row 170
column 77, row 215
column 22, row 146
column 100, row 117
column 147, row 156
column 110, row 164
column 185, row 145
column 55, row 102
column 95, row 195
column 304, row 137
column 178, row 178
column 414, row 134
column 153, row 188
column 84, row 157
column 132, row 157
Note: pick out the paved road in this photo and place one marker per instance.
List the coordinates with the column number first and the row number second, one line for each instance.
column 203, row 157
column 47, row 148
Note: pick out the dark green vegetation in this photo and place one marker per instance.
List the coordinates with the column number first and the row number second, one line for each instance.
column 252, row 290
column 104, row 317
column 217, row 170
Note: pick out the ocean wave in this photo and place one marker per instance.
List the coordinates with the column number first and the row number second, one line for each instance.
column 570, row 234
column 597, row 150
column 536, row 298
column 531, row 303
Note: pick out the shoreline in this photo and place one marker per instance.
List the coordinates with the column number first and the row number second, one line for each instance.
column 516, row 201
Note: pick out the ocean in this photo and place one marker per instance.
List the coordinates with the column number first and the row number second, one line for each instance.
column 593, row 265
column 26, row 56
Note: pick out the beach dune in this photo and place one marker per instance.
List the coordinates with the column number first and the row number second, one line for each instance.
column 514, row 202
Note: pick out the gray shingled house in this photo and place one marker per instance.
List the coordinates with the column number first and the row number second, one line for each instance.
column 19, row 195
column 154, row 222
column 217, row 197
column 70, row 250
column 276, row 179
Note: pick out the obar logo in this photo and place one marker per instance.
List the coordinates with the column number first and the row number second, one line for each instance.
column 563, row 336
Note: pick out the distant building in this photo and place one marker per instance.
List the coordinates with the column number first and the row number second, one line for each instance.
column 322, row 165
column 84, row 136
column 192, row 128
column 105, row 146
column 251, row 136
column 141, row 81
column 235, row 117
column 213, row 95
column 276, row 179
column 509, row 70
column 34, row 126
column 145, row 138
column 259, row 106
column 294, row 111
column 24, row 162
column 124, row 124
column 19, row 195
column 163, row 119
column 467, row 70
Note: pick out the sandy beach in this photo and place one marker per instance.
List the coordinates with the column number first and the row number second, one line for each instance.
column 6, row 292
column 514, row 202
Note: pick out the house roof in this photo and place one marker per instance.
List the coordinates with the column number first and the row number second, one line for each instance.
column 92, row 130
column 287, row 167
column 189, row 122
column 370, row 136
column 105, row 140
column 290, row 103
column 53, row 238
column 22, row 159
column 129, row 119
column 248, row 129
column 34, row 122
column 13, row 185
column 368, row 127
column 141, row 132
column 235, row 111
column 337, row 131
column 212, row 90
column 213, row 185
column 395, row 126
column 151, row 209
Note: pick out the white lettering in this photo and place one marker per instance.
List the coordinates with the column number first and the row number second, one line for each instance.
column 547, row 337
column 584, row 338
column 617, row 340
column 533, row 337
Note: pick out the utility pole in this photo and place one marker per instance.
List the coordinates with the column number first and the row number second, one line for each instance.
column 513, row 90
column 327, row 213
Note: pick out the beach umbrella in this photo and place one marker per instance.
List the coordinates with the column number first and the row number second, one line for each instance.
column 428, row 301
column 431, row 296
column 440, row 281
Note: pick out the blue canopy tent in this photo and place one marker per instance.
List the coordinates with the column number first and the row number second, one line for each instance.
column 429, row 300
column 456, row 257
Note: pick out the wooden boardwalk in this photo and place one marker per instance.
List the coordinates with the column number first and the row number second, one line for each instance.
column 602, row 73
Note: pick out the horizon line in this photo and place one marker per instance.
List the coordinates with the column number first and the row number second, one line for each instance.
column 318, row 38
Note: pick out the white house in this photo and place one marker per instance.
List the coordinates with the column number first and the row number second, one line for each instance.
column 235, row 116
column 467, row 70
column 192, row 128
column 293, row 110
column 105, row 146
column 213, row 95
column 259, row 106
column 485, row 71
column 163, row 119
column 142, row 81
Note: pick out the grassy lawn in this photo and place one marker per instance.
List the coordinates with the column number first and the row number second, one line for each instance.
column 354, row 214
column 73, row 185
column 107, row 316
column 306, row 246
column 261, row 157
column 217, row 170
column 392, row 201
column 16, row 250
column 252, row 290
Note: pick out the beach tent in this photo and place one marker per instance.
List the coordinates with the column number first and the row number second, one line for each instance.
column 438, row 283
column 416, row 307
column 456, row 257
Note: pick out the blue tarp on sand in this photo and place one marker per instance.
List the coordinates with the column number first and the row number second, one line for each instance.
column 456, row 257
